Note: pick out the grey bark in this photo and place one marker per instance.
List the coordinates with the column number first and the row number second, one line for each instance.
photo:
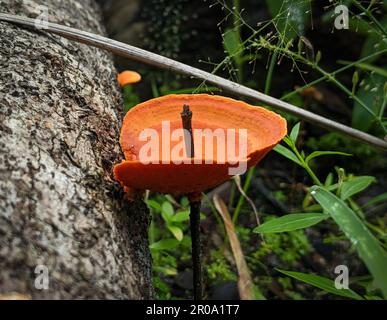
column 60, row 115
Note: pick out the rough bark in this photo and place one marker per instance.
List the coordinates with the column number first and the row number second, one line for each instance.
column 60, row 114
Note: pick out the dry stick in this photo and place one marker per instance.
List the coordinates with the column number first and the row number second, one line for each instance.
column 194, row 215
column 186, row 117
column 156, row 60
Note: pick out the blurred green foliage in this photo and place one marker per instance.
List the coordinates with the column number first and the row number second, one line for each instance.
column 361, row 84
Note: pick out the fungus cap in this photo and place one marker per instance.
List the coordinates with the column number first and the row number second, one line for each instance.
column 264, row 128
column 128, row 77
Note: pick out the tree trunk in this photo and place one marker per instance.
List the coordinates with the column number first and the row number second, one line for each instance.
column 60, row 115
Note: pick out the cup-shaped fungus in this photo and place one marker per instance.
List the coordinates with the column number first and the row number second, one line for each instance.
column 128, row 77
column 186, row 144
column 229, row 136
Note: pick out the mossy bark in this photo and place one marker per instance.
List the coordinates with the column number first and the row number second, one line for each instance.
column 60, row 115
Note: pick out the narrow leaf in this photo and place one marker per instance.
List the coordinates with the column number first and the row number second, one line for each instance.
column 380, row 198
column 371, row 92
column 372, row 68
column 291, row 222
column 181, row 216
column 367, row 246
column 316, row 154
column 176, row 231
column 355, row 185
column 287, row 154
column 294, row 133
column 322, row 283
column 166, row 244
column 167, row 208
column 153, row 205
column 233, row 44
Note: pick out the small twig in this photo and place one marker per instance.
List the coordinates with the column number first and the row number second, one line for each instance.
column 186, row 117
column 237, row 180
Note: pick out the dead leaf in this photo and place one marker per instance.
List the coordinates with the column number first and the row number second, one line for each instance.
column 245, row 283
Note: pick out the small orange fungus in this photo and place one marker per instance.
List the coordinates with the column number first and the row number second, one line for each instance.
column 128, row 77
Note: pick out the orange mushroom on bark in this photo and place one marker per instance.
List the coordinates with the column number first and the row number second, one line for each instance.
column 128, row 77
column 185, row 144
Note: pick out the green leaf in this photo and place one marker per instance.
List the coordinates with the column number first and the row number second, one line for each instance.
column 289, row 17
column 287, row 153
column 167, row 211
column 233, row 44
column 329, row 180
column 167, row 208
column 291, row 222
column 153, row 204
column 365, row 66
column 165, row 244
column 318, row 57
column 355, row 80
column 184, row 202
column 186, row 242
column 355, row 185
column 379, row 198
column 257, row 293
column 288, row 141
column 322, row 283
column 176, row 231
column 168, row 271
column 367, row 246
column 313, row 208
column 316, row 154
column 371, row 92
column 374, row 41
column 294, row 132
column 130, row 98
column 181, row 216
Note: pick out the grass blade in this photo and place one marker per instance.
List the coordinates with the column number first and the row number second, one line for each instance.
column 291, row 222
column 324, row 153
column 322, row 283
column 367, row 246
column 355, row 185
column 287, row 153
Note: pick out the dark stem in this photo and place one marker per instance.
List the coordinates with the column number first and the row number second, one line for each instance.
column 186, row 117
column 196, row 249
column 194, row 216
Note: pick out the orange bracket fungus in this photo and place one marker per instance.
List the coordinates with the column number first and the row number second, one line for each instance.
column 186, row 144
column 128, row 77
